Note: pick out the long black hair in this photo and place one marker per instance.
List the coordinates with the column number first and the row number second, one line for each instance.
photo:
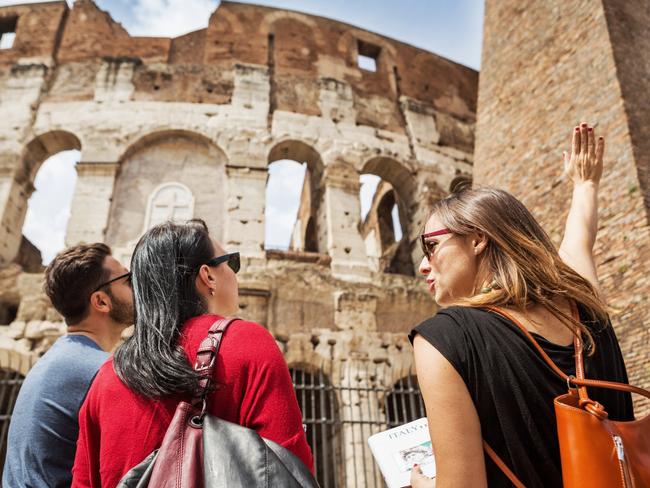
column 164, row 267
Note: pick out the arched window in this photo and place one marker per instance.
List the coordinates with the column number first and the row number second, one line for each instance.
column 318, row 404
column 381, row 226
column 10, row 383
column 292, row 216
column 283, row 202
column 404, row 402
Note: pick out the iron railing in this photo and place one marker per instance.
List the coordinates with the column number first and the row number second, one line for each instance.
column 10, row 383
column 340, row 416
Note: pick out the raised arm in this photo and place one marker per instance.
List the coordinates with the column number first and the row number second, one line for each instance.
column 584, row 165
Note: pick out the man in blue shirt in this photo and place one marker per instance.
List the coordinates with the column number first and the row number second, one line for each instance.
column 92, row 291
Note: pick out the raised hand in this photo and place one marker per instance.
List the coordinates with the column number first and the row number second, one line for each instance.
column 585, row 162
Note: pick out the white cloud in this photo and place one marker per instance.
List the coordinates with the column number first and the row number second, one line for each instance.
column 170, row 18
column 282, row 202
column 48, row 210
column 368, row 188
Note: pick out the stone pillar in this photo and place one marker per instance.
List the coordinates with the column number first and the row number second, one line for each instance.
column 342, row 210
column 91, row 202
column 13, row 206
column 245, row 210
column 20, row 100
column 356, row 404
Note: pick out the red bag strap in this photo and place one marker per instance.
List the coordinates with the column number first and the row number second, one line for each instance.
column 206, row 358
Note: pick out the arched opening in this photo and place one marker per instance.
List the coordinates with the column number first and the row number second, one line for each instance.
column 284, row 189
column 403, row 403
column 317, row 401
column 49, row 209
column 383, row 213
column 10, row 383
column 292, row 216
column 8, row 311
column 311, row 240
column 170, row 175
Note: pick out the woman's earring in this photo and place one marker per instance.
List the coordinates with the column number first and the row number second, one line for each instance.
column 211, row 292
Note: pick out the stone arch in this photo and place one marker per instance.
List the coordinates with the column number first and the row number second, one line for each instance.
column 266, row 26
column 311, row 209
column 403, row 191
column 403, row 402
column 19, row 185
column 169, row 157
column 140, row 140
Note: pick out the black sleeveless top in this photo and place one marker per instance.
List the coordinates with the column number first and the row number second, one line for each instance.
column 513, row 388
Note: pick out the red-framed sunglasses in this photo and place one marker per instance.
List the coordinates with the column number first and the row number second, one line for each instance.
column 423, row 243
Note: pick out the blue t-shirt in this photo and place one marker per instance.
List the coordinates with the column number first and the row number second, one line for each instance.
column 44, row 427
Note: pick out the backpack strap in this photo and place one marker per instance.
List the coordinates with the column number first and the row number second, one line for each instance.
column 579, row 381
column 206, row 358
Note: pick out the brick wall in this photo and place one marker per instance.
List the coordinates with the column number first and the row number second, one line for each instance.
column 546, row 66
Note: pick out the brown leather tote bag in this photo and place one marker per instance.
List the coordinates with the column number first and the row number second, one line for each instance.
column 202, row 451
column 595, row 451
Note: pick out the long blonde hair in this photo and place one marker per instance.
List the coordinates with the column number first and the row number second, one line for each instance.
column 520, row 259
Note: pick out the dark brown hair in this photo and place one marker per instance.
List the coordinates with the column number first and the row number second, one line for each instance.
column 71, row 278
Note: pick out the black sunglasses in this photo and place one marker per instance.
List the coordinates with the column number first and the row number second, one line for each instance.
column 232, row 259
column 125, row 275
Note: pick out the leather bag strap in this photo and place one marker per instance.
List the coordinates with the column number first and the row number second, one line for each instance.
column 580, row 381
column 206, row 358
column 502, row 466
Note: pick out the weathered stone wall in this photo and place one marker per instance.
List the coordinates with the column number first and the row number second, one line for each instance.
column 207, row 112
column 169, row 157
column 547, row 66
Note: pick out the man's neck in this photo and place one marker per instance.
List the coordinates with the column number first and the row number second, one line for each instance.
column 105, row 337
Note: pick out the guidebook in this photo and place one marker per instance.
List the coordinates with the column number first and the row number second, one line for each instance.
column 397, row 450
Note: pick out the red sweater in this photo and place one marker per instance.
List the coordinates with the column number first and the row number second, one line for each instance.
column 119, row 428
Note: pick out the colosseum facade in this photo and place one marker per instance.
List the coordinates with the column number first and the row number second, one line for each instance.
column 187, row 127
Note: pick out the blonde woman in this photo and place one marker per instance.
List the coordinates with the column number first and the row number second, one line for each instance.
column 480, row 377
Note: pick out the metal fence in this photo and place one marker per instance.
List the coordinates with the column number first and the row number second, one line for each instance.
column 339, row 417
column 10, row 383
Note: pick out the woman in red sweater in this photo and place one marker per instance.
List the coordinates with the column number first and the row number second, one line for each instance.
column 182, row 282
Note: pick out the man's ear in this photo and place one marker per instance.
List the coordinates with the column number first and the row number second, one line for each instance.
column 100, row 301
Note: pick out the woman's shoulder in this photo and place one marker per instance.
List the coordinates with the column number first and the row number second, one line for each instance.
column 453, row 320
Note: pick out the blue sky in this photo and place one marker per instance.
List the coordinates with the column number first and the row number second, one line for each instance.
column 450, row 28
